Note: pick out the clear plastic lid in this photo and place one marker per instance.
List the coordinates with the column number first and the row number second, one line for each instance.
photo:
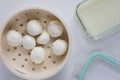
column 100, row 67
column 99, row 18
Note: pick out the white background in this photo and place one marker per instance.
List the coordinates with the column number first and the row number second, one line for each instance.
column 82, row 46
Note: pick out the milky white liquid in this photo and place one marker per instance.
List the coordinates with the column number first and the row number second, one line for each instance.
column 99, row 16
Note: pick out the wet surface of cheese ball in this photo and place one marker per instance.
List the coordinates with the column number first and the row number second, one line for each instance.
column 44, row 38
column 59, row 47
column 34, row 27
column 37, row 55
column 14, row 38
column 55, row 28
column 28, row 42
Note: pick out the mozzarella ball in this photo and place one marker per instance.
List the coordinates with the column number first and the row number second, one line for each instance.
column 34, row 27
column 59, row 47
column 55, row 28
column 44, row 38
column 28, row 42
column 14, row 38
column 38, row 55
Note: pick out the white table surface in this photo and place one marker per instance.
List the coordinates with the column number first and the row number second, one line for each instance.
column 82, row 46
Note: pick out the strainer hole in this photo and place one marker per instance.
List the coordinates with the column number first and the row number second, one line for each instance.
column 44, row 67
column 10, row 28
column 49, row 56
column 22, row 66
column 21, row 24
column 26, row 59
column 15, row 47
column 33, row 69
column 8, row 50
column 23, row 34
column 38, row 12
column 48, row 15
column 45, row 21
column 13, row 59
column 26, row 13
column 37, row 19
column 29, row 53
column 19, row 54
column 16, row 19
column 21, row 45
column 28, row 20
column 54, row 62
column 43, row 28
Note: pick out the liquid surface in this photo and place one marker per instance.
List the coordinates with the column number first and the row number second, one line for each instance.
column 99, row 15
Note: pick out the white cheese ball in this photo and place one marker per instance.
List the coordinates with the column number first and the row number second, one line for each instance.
column 14, row 38
column 34, row 27
column 55, row 28
column 44, row 38
column 59, row 47
column 28, row 42
column 38, row 55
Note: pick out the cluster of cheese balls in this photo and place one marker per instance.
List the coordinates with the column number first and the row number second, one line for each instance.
column 34, row 28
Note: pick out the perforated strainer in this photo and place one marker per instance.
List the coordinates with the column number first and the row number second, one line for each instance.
column 17, row 59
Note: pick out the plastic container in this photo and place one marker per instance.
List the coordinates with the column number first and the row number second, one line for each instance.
column 100, row 67
column 99, row 18
column 17, row 59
